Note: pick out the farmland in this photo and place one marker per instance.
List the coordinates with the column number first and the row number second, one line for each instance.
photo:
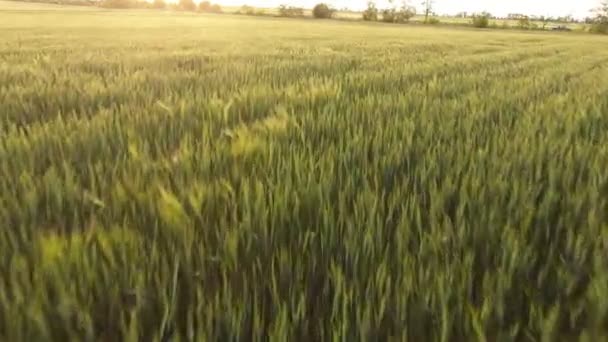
column 169, row 176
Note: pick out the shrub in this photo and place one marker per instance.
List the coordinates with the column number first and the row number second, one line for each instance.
column 433, row 21
column 371, row 12
column 322, row 11
column 290, row 11
column 481, row 20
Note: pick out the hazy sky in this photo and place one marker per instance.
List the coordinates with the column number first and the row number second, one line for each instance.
column 577, row 8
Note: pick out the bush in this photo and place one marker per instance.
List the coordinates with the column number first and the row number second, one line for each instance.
column 481, row 20
column 322, row 11
column 290, row 11
column 371, row 13
column 433, row 21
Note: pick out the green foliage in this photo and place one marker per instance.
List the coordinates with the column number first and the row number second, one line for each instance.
column 225, row 178
column 371, row 12
column 481, row 20
column 290, row 11
column 322, row 11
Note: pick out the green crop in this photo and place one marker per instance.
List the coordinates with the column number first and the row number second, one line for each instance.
column 171, row 176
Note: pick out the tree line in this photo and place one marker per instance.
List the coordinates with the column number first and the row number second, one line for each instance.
column 396, row 12
column 403, row 12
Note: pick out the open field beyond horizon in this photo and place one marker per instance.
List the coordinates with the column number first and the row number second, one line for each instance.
column 172, row 177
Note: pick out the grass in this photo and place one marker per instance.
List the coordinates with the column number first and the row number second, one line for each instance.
column 170, row 176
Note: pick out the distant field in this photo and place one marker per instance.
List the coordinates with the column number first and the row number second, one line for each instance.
column 168, row 176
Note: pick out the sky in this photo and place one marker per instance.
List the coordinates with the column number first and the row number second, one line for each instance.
column 577, row 8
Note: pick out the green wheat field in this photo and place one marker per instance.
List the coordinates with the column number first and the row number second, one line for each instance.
column 187, row 177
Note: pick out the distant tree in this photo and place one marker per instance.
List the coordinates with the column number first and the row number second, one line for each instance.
column 247, row 10
column 186, row 5
column 427, row 5
column 406, row 12
column 204, row 6
column 600, row 22
column 159, row 4
column 544, row 20
column 516, row 16
column 215, row 8
column 322, row 11
column 398, row 15
column 524, row 23
column 388, row 15
column 208, row 7
column 565, row 19
column 481, row 20
column 371, row 12
column 290, row 11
